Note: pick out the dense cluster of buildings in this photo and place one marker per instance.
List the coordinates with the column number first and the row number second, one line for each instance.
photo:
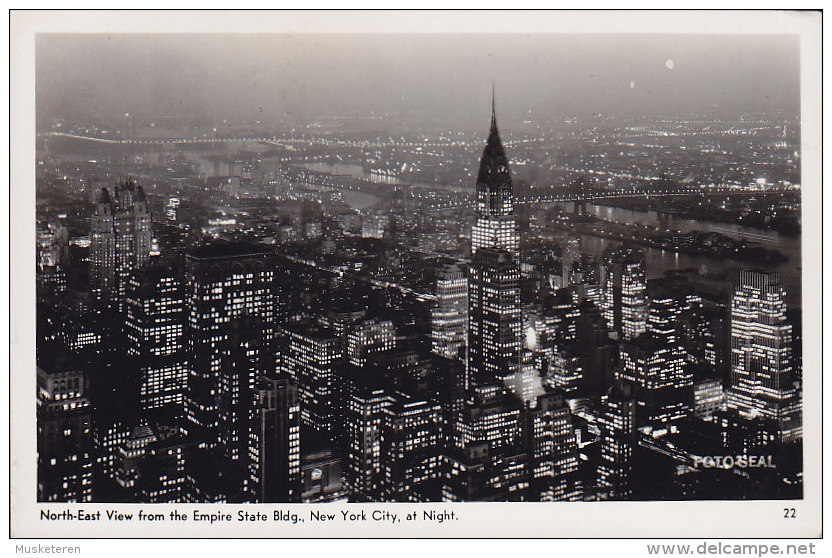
column 207, row 378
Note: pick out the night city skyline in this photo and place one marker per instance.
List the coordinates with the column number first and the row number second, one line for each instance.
column 427, row 268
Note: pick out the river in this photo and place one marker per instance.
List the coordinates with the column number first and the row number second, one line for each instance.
column 356, row 171
column 659, row 261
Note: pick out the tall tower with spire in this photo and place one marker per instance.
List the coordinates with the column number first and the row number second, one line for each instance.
column 496, row 225
column 494, row 339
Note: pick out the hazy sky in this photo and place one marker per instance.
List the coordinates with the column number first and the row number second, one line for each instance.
column 211, row 77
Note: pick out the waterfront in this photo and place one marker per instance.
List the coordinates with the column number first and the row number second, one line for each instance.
column 357, row 171
column 659, row 261
column 718, row 270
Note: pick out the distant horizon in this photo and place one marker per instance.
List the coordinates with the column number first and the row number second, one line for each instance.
column 427, row 78
column 321, row 122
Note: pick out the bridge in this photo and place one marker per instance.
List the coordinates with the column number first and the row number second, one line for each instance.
column 581, row 199
column 171, row 141
column 580, row 191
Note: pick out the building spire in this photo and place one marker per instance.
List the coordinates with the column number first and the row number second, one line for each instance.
column 493, row 108
column 493, row 176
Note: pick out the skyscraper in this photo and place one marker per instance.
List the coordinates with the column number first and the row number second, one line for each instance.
column 655, row 362
column 120, row 236
column 52, row 258
column 223, row 282
column 150, row 465
column 761, row 359
column 666, row 304
column 494, row 335
column 370, row 336
column 244, row 360
column 364, row 421
column 155, row 326
column 310, row 355
column 624, row 298
column 274, row 447
column 659, row 373
column 496, row 225
column 411, row 444
column 570, row 256
column 596, row 350
column 449, row 318
column 65, row 440
column 552, row 449
column 486, row 458
column 618, row 440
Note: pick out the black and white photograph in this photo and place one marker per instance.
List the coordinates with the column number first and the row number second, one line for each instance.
column 321, row 269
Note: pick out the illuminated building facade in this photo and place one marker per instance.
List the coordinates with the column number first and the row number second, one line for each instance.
column 708, row 398
column 618, row 440
column 223, row 283
column 368, row 337
column 164, row 468
column 108, row 435
column 449, row 318
column 496, row 225
column 412, row 440
column 320, row 477
column 487, row 460
column 393, row 431
column 704, row 332
column 341, row 321
column 274, row 448
column 490, row 416
column 624, row 298
column 244, row 360
column 570, row 260
column 151, row 465
column 310, row 356
column 129, row 456
column 565, row 370
column 494, row 335
column 666, row 304
column 52, row 259
column 761, row 357
column 155, row 325
column 64, row 421
column 364, row 420
column 120, row 237
column 374, row 226
column 661, row 377
column 552, row 451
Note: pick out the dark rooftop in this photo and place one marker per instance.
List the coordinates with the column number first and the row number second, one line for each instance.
column 226, row 250
column 55, row 358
